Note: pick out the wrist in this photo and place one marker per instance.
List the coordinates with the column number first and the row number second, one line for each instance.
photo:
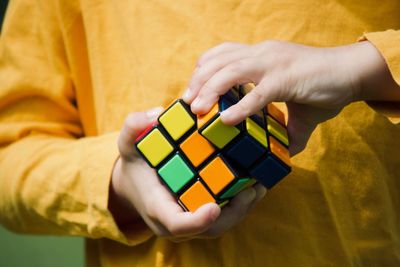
column 118, row 203
column 374, row 82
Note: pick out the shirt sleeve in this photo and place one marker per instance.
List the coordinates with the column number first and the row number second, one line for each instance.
column 387, row 43
column 53, row 179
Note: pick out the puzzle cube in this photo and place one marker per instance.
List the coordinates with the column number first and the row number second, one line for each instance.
column 201, row 160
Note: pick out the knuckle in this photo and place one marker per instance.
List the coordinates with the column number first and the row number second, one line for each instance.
column 200, row 77
column 258, row 97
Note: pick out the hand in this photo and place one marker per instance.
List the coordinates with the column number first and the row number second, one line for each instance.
column 316, row 83
column 136, row 192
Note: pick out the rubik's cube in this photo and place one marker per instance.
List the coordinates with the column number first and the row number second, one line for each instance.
column 201, row 160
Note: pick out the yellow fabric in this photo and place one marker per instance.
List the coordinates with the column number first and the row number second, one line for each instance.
column 70, row 71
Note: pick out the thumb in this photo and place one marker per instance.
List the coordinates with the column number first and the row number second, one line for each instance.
column 135, row 123
column 299, row 133
column 300, row 126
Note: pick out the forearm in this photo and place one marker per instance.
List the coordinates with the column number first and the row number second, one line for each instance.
column 54, row 185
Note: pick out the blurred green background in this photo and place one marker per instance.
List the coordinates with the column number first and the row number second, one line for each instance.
column 41, row 251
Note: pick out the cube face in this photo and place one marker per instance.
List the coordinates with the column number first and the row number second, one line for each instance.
column 196, row 196
column 176, row 173
column 154, row 147
column 213, row 162
column 196, row 148
column 217, row 175
column 177, row 120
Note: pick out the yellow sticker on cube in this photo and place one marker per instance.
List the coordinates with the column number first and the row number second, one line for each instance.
column 277, row 130
column 155, row 147
column 219, row 133
column 256, row 132
column 176, row 120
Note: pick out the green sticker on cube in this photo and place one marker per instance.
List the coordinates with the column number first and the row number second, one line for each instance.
column 176, row 173
column 237, row 187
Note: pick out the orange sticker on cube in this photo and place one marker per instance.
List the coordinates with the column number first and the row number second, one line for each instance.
column 197, row 148
column 203, row 119
column 279, row 150
column 217, row 175
column 276, row 113
column 195, row 197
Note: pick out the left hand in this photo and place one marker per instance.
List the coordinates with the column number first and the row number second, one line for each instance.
column 315, row 82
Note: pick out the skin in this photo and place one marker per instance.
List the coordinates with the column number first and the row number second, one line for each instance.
column 315, row 83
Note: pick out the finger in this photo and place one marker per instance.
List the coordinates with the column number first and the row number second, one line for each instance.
column 181, row 223
column 209, row 68
column 231, row 214
column 264, row 93
column 221, row 48
column 261, row 191
column 238, row 72
column 134, row 124
column 299, row 129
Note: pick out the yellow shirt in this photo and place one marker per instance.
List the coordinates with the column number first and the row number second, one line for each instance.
column 70, row 71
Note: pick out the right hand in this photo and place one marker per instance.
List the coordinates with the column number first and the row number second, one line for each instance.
column 136, row 192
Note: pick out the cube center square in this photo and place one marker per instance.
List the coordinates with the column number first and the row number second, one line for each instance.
column 245, row 151
column 154, row 147
column 217, row 175
column 177, row 119
column 196, row 148
column 176, row 173
column 196, row 196
column 219, row 133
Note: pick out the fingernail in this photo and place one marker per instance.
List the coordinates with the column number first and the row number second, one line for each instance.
column 262, row 192
column 215, row 213
column 196, row 104
column 187, row 95
column 153, row 113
